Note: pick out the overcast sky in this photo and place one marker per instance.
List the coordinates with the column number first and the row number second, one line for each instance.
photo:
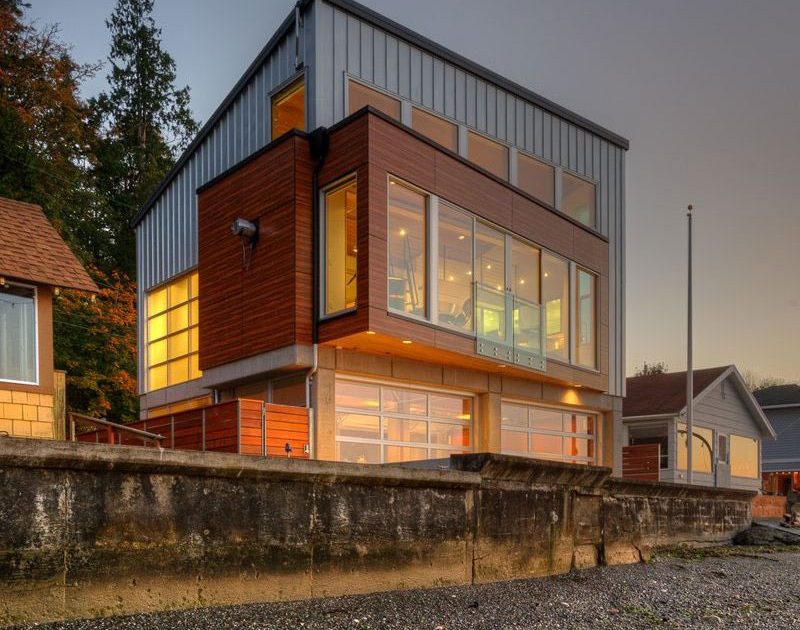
column 707, row 92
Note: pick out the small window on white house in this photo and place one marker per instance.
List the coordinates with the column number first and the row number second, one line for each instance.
column 722, row 448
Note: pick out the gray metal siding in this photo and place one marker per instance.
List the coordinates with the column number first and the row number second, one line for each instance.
column 785, row 447
column 167, row 236
column 349, row 45
column 727, row 415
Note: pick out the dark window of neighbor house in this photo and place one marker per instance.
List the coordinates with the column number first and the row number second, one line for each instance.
column 18, row 334
column 341, row 249
column 289, row 109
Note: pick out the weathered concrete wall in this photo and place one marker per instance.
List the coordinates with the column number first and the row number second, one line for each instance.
column 95, row 530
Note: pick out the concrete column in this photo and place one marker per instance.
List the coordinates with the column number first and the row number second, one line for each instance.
column 488, row 423
column 322, row 401
column 613, row 438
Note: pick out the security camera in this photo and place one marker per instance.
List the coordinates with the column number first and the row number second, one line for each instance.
column 243, row 227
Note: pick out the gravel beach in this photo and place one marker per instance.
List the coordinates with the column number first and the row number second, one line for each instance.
column 734, row 588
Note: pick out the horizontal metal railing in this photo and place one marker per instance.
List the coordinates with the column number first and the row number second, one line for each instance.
column 112, row 428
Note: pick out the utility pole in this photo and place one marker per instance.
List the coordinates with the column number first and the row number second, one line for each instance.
column 689, row 371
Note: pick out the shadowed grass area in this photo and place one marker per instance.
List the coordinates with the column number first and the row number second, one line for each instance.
column 685, row 552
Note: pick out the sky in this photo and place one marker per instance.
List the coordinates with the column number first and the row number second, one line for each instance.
column 707, row 92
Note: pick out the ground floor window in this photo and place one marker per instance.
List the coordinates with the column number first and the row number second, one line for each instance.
column 548, row 433
column 744, row 457
column 378, row 423
column 702, row 448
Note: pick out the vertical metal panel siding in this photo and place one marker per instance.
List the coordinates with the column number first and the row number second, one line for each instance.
column 166, row 239
column 347, row 44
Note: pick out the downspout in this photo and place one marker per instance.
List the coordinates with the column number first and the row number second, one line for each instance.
column 318, row 146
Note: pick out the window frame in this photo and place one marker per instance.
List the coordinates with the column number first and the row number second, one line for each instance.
column 146, row 330
column 37, row 375
column 595, row 437
column 437, row 115
column 381, row 414
column 510, row 166
column 337, row 184
column 556, row 171
column 575, row 288
column 370, row 86
column 284, row 86
column 560, row 172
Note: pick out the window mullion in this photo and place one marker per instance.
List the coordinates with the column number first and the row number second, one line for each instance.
column 433, row 259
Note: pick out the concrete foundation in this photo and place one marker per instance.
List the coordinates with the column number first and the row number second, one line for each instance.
column 95, row 530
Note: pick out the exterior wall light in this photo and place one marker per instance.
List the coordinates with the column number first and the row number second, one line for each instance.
column 247, row 231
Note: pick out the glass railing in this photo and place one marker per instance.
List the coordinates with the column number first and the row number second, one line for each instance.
column 509, row 328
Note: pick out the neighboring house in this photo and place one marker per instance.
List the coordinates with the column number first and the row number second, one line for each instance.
column 34, row 264
column 439, row 270
column 781, row 457
column 728, row 427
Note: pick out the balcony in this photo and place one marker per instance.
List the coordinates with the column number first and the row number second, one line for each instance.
column 509, row 329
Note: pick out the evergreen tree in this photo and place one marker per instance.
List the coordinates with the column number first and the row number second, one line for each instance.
column 143, row 120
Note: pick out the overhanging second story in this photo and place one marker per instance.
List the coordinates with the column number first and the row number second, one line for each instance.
column 411, row 250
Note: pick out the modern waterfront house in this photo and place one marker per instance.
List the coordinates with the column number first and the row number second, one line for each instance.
column 35, row 264
column 781, row 457
column 426, row 255
column 728, row 429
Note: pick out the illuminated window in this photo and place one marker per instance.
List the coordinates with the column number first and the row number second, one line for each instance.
column 172, row 333
column 555, row 297
column 488, row 154
column 455, row 268
column 289, row 109
column 18, row 361
column 407, row 247
column 585, row 337
column 744, row 457
column 545, row 433
column 341, row 249
column 702, row 448
column 536, row 178
column 382, row 424
column 578, row 199
column 359, row 96
column 435, row 127
column 490, row 274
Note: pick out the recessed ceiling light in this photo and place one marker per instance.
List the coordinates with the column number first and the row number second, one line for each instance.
column 522, row 281
column 402, row 232
column 501, row 365
column 370, row 332
column 461, row 237
column 546, row 274
column 488, row 266
column 407, row 342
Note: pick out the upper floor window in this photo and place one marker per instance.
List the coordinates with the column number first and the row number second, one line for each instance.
column 585, row 325
column 407, row 247
column 578, row 199
column 289, row 109
column 454, row 268
column 18, row 361
column 341, row 248
column 555, row 298
column 172, row 333
column 435, row 127
column 536, row 178
column 359, row 95
column 488, row 154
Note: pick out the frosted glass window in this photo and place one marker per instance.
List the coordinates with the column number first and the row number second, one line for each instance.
column 435, row 127
column 359, row 96
column 488, row 154
column 578, row 198
column 536, row 178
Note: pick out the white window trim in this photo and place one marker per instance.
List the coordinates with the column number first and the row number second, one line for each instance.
column 36, row 335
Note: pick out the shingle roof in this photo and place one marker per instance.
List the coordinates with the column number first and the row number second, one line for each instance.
column 664, row 393
column 778, row 395
column 32, row 250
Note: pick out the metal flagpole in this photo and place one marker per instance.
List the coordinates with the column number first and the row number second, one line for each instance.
column 689, row 372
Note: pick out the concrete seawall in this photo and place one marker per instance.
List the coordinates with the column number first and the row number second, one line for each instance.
column 95, row 530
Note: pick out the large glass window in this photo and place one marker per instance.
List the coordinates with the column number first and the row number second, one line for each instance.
column 289, row 109
column 525, row 271
column 359, row 96
column 585, row 325
column 555, row 297
column 407, row 247
column 172, row 333
column 454, row 268
column 490, row 274
column 744, row 457
column 488, row 154
column 578, row 198
column 546, row 433
column 702, row 448
column 18, row 334
column 341, row 250
column 536, row 178
column 383, row 424
column 435, row 127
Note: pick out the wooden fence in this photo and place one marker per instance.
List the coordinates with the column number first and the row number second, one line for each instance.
column 641, row 461
column 247, row 427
